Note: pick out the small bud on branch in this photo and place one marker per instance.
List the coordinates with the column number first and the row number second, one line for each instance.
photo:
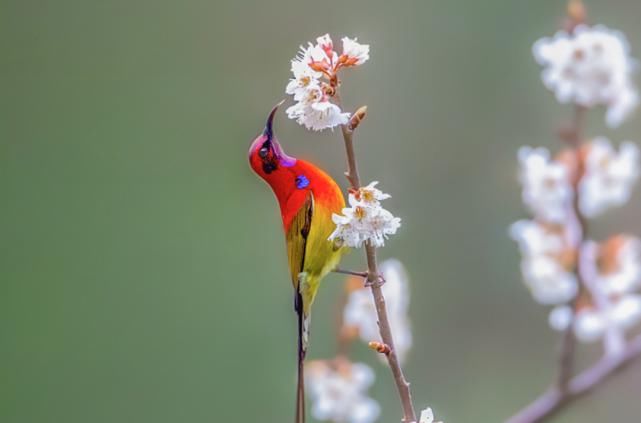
column 380, row 347
column 576, row 11
column 357, row 118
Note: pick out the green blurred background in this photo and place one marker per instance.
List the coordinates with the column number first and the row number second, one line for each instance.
column 142, row 271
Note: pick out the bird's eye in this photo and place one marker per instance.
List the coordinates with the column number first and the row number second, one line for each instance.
column 263, row 152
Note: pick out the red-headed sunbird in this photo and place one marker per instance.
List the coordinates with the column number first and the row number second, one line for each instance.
column 307, row 197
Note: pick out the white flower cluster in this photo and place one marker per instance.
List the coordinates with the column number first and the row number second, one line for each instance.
column 546, row 184
column 544, row 272
column 611, row 302
column 314, row 82
column 590, row 66
column 608, row 179
column 549, row 243
column 338, row 391
column 609, row 176
column 365, row 220
column 360, row 310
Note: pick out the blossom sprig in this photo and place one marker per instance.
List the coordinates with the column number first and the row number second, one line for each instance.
column 590, row 66
column 594, row 287
column 315, row 80
column 365, row 220
column 549, row 248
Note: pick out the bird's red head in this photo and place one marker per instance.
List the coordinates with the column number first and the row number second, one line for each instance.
column 266, row 156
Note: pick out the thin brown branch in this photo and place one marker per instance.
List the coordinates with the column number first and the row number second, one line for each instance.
column 554, row 400
column 573, row 136
column 350, row 272
column 375, row 282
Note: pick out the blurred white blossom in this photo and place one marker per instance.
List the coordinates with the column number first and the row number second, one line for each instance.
column 591, row 323
column 360, row 310
column 365, row 220
column 427, row 416
column 534, row 239
column 560, row 317
column 549, row 283
column 541, row 263
column 546, row 185
column 590, row 66
column 619, row 270
column 338, row 390
column 314, row 72
column 609, row 176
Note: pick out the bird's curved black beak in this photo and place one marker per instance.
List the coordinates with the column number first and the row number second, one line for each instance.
column 268, row 132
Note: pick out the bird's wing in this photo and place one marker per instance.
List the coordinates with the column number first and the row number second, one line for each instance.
column 297, row 237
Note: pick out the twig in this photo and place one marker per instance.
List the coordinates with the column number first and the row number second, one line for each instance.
column 553, row 400
column 350, row 272
column 375, row 282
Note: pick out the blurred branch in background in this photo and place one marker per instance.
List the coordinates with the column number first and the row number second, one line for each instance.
column 554, row 399
column 593, row 286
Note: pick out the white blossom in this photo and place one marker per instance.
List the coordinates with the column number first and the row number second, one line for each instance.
column 622, row 106
column 371, row 195
column 427, row 416
column 304, row 78
column 339, row 392
column 355, row 53
column 534, row 239
column 543, row 273
column 560, row 318
column 626, row 311
column 609, row 176
column 590, row 66
column 360, row 310
column 620, row 270
column 325, row 42
column 548, row 281
column 546, row 186
column 591, row 323
column 365, row 220
column 315, row 111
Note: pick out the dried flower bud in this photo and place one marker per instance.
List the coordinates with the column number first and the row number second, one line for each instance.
column 380, row 347
column 576, row 11
column 357, row 117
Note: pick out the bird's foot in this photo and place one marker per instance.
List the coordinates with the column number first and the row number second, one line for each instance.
column 379, row 280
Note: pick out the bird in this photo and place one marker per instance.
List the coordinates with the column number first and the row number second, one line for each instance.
column 308, row 197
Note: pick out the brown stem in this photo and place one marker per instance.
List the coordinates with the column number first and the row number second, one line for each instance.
column 375, row 283
column 574, row 139
column 350, row 272
column 553, row 399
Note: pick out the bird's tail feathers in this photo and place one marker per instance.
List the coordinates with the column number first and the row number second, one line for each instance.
column 303, row 338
